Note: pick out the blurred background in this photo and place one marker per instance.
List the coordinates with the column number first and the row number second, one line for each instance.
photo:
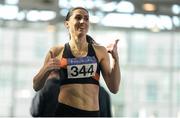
column 149, row 49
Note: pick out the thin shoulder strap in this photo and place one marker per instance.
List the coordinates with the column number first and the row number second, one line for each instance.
column 67, row 51
column 91, row 51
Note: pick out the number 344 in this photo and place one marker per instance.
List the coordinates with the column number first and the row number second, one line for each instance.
column 81, row 70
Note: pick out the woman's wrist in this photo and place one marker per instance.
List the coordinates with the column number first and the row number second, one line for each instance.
column 116, row 58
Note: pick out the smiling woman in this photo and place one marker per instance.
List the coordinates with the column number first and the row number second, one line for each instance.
column 78, row 65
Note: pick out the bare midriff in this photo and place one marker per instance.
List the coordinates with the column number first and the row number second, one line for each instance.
column 81, row 96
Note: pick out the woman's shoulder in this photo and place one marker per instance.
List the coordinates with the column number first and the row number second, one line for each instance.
column 99, row 48
column 57, row 49
column 101, row 52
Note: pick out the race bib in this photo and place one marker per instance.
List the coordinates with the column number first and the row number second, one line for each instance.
column 82, row 67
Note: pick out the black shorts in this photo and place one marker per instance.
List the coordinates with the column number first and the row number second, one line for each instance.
column 68, row 111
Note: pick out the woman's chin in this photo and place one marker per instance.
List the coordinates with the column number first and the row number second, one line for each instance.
column 81, row 34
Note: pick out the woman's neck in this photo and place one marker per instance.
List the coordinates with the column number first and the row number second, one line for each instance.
column 78, row 42
column 79, row 47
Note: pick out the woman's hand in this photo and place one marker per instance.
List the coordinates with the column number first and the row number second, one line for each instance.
column 53, row 63
column 49, row 70
column 53, row 66
column 112, row 49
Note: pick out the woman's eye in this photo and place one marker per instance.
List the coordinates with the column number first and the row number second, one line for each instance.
column 86, row 18
column 78, row 17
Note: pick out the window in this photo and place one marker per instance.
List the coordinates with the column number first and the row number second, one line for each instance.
column 152, row 91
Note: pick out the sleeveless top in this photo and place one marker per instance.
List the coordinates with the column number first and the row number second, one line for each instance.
column 79, row 70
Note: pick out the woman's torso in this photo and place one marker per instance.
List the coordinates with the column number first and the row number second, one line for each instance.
column 83, row 96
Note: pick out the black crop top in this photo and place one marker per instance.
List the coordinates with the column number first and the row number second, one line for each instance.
column 84, row 70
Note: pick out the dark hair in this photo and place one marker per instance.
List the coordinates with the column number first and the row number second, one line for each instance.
column 69, row 14
column 89, row 39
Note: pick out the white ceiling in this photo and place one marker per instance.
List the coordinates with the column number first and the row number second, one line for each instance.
column 164, row 7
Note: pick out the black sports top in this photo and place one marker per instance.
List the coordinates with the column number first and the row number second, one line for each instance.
column 84, row 70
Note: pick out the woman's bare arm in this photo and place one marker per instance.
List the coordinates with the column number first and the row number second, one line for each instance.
column 51, row 63
column 111, row 75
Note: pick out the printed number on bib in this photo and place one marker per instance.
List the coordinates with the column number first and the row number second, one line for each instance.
column 81, row 71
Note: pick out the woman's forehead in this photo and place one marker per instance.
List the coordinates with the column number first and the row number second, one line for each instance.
column 80, row 11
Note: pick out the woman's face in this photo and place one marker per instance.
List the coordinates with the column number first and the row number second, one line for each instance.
column 78, row 23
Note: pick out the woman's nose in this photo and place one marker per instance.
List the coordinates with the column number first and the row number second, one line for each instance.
column 82, row 20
